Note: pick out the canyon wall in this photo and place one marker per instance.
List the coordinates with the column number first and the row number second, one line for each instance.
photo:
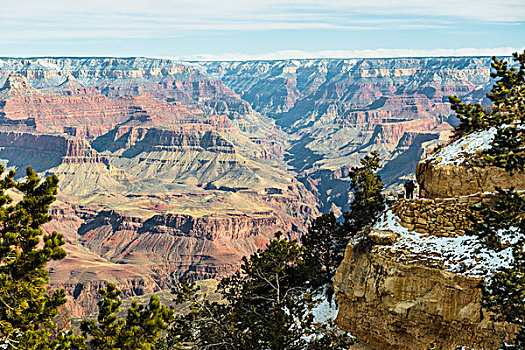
column 338, row 110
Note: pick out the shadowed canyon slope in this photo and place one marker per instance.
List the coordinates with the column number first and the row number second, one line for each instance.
column 172, row 168
column 338, row 110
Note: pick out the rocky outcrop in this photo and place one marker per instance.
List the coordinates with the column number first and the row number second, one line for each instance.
column 16, row 85
column 452, row 180
column 44, row 152
column 418, row 281
column 459, row 169
column 394, row 305
column 174, row 140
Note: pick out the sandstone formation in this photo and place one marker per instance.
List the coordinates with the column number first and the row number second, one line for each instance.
column 458, row 180
column 394, row 305
column 459, row 169
column 419, row 282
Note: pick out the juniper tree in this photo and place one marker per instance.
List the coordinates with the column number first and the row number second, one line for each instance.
column 26, row 308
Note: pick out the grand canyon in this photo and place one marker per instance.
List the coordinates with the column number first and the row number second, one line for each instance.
column 171, row 168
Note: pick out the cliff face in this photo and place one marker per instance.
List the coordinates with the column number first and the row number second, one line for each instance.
column 459, row 169
column 394, row 305
column 419, row 283
column 145, row 149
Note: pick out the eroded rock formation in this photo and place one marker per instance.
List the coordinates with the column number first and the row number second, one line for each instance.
column 418, row 282
column 451, row 180
column 395, row 305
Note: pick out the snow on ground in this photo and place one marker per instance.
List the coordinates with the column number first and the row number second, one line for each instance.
column 324, row 311
column 465, row 255
column 457, row 152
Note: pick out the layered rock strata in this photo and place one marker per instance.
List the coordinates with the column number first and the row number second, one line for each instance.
column 395, row 305
column 419, row 280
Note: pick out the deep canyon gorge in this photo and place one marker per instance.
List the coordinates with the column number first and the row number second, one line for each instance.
column 171, row 169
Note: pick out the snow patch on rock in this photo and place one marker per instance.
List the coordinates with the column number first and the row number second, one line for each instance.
column 324, row 311
column 458, row 151
column 464, row 255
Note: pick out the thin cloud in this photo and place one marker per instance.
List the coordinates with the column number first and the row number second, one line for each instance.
column 34, row 23
column 377, row 53
column 486, row 10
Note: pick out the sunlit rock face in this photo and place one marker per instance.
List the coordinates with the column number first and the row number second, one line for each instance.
column 419, row 283
column 172, row 168
column 460, row 169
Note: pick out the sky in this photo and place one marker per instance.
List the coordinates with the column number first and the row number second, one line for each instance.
column 253, row 29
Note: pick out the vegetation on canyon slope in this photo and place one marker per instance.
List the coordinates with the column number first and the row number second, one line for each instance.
column 268, row 304
column 506, row 113
column 27, row 310
column 270, row 301
column 504, row 293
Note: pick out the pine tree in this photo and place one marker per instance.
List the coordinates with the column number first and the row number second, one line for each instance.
column 27, row 310
column 508, row 148
column 105, row 331
column 141, row 329
column 507, row 114
column 508, row 94
column 324, row 244
column 471, row 117
column 504, row 293
column 267, row 307
column 504, row 213
column 368, row 200
column 508, row 97
column 204, row 324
